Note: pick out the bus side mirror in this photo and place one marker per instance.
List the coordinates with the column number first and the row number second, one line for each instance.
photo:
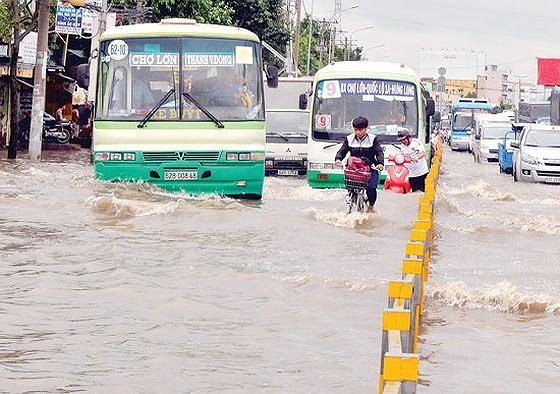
column 272, row 77
column 430, row 107
column 303, row 101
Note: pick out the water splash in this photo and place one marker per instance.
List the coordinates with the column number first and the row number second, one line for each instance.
column 290, row 189
column 342, row 219
column 502, row 297
column 124, row 208
column 353, row 285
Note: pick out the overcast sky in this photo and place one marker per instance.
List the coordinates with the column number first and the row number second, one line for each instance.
column 513, row 34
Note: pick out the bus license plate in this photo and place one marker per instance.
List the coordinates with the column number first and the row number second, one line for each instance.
column 287, row 172
column 552, row 179
column 180, row 175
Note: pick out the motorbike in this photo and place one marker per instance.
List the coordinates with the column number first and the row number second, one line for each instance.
column 397, row 174
column 55, row 130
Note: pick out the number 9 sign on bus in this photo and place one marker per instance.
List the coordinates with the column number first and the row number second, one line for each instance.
column 331, row 89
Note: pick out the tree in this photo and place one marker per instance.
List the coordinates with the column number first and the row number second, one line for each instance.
column 16, row 21
column 265, row 18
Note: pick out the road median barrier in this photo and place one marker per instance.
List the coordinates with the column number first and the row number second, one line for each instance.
column 401, row 319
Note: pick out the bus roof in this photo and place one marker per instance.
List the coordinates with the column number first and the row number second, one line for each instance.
column 471, row 105
column 178, row 27
column 366, row 69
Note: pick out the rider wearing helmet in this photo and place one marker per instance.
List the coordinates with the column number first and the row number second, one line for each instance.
column 367, row 147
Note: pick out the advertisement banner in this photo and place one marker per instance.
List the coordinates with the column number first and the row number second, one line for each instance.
column 548, row 72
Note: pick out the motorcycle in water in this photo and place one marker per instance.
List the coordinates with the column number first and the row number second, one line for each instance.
column 397, row 174
column 56, row 131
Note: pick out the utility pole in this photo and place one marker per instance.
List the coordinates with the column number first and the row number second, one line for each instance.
column 297, row 36
column 39, row 82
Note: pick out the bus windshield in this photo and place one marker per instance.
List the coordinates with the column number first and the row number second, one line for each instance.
column 222, row 75
column 388, row 105
column 464, row 118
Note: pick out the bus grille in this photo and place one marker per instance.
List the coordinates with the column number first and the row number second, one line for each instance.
column 180, row 156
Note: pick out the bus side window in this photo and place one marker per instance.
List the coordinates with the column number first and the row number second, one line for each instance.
column 118, row 96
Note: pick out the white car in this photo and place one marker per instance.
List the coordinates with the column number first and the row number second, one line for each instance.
column 486, row 139
column 536, row 155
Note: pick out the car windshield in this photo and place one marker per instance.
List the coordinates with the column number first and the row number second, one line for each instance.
column 543, row 138
column 495, row 132
column 287, row 122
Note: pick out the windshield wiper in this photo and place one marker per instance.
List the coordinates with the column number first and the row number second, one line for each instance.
column 155, row 108
column 331, row 145
column 206, row 112
column 281, row 136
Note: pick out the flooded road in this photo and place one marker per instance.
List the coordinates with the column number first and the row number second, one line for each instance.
column 125, row 288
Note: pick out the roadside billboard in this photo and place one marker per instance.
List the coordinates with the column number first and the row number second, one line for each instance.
column 70, row 20
column 548, row 71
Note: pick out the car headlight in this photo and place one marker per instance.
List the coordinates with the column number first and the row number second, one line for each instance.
column 529, row 159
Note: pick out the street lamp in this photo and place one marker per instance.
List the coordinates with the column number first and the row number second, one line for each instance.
column 346, row 44
column 518, row 95
column 337, row 18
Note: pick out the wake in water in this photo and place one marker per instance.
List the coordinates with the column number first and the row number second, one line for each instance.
column 123, row 200
column 342, row 219
column 355, row 285
column 298, row 189
column 502, row 222
column 484, row 190
column 503, row 297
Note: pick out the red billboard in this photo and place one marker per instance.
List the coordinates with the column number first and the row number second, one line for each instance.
column 548, row 72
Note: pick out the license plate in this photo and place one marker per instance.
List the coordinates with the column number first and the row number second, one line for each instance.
column 552, row 179
column 180, row 175
column 287, row 172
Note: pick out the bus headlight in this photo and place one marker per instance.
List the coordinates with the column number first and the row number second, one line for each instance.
column 257, row 156
column 312, row 165
column 129, row 156
column 102, row 156
column 245, row 156
column 115, row 156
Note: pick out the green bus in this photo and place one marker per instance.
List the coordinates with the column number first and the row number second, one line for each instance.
column 390, row 95
column 180, row 105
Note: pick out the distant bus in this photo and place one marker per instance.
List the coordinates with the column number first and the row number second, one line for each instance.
column 463, row 121
column 180, row 105
column 536, row 112
column 390, row 95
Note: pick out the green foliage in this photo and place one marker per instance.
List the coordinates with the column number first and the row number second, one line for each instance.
column 503, row 106
column 6, row 28
column 265, row 18
column 203, row 11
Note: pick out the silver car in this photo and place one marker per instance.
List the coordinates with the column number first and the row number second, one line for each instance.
column 536, row 155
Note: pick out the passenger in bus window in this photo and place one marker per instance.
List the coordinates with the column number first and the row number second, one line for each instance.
column 118, row 98
column 142, row 95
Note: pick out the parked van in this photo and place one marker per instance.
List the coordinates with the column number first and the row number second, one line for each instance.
column 286, row 142
column 486, row 139
column 480, row 121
